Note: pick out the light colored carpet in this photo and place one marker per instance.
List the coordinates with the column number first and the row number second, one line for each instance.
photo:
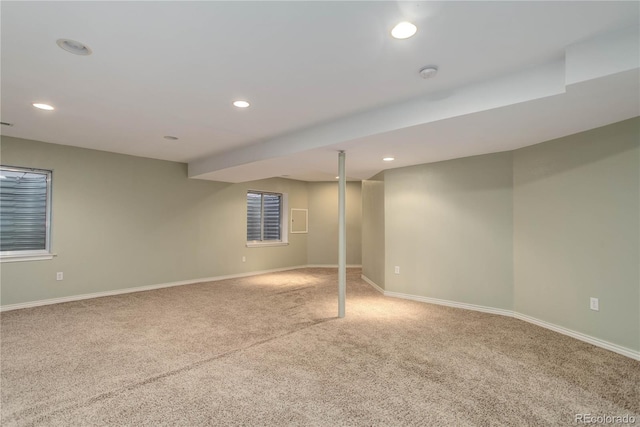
column 268, row 350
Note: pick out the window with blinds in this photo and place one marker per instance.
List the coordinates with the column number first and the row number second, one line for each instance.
column 264, row 216
column 25, row 199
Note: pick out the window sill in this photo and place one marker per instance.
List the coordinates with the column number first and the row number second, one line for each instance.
column 264, row 244
column 26, row 257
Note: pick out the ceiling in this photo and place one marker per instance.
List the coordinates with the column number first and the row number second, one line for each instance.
column 320, row 76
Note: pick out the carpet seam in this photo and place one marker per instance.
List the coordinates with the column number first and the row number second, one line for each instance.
column 106, row 395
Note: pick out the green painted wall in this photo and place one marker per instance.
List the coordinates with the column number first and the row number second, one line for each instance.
column 323, row 223
column 449, row 229
column 373, row 226
column 538, row 231
column 576, row 213
column 122, row 221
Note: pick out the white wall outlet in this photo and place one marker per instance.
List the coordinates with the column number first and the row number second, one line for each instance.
column 594, row 304
column 59, row 275
column 396, row 269
column 244, row 259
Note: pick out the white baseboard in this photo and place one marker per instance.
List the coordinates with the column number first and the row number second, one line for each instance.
column 372, row 283
column 70, row 298
column 332, row 265
column 633, row 354
column 449, row 303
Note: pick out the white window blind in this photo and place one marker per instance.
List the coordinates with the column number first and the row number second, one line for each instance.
column 24, row 210
column 264, row 216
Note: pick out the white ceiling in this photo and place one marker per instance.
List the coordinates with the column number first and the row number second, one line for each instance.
column 321, row 77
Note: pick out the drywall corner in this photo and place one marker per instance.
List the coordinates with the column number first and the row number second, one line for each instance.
column 373, row 230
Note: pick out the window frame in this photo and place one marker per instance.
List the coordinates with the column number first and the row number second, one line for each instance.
column 284, row 218
column 33, row 254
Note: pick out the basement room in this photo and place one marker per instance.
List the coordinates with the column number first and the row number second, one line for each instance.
column 320, row 213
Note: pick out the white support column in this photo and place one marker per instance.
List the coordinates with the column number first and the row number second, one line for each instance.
column 342, row 236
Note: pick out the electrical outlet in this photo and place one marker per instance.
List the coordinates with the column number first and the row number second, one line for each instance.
column 244, row 259
column 594, row 304
column 59, row 275
column 396, row 269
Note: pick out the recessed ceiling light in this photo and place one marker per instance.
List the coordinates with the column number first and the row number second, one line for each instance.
column 43, row 106
column 170, row 137
column 428, row 72
column 404, row 30
column 241, row 104
column 74, row 47
column 389, row 159
column 337, row 177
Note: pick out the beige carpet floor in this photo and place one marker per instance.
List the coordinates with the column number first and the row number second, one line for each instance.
column 269, row 351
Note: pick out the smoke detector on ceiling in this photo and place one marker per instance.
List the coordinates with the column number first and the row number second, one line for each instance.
column 428, row 72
